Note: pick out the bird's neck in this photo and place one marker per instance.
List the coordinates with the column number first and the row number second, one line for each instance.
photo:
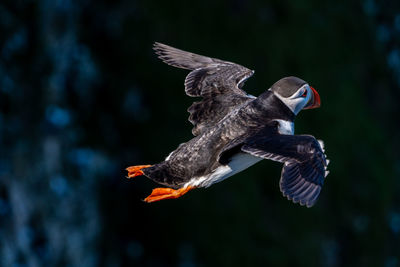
column 274, row 107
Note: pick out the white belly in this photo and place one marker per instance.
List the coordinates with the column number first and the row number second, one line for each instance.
column 238, row 163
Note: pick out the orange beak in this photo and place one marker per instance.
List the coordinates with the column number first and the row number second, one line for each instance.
column 315, row 100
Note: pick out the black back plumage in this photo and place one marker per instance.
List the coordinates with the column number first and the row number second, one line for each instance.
column 214, row 147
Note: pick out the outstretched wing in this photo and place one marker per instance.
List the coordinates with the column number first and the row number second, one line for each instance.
column 218, row 82
column 305, row 163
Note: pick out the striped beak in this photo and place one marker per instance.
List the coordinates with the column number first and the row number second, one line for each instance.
column 315, row 100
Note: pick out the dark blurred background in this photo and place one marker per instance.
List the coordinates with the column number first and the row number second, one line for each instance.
column 82, row 96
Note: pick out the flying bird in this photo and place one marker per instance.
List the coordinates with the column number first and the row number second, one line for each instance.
column 234, row 130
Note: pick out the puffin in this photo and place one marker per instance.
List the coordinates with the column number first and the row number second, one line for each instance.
column 234, row 130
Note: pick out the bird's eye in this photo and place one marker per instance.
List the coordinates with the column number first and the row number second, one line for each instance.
column 304, row 93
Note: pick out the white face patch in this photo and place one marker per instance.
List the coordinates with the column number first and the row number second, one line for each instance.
column 297, row 101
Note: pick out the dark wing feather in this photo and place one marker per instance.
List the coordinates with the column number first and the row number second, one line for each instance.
column 182, row 59
column 304, row 171
column 218, row 82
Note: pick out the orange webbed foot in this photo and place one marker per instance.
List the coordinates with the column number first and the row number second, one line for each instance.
column 134, row 171
column 167, row 193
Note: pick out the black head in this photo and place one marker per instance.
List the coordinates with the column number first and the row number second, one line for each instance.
column 287, row 86
column 296, row 94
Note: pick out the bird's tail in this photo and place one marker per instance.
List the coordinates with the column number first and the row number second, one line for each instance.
column 161, row 173
column 157, row 174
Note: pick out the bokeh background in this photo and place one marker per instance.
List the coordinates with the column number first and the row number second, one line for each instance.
column 82, row 96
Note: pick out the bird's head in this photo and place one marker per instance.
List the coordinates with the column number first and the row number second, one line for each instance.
column 296, row 94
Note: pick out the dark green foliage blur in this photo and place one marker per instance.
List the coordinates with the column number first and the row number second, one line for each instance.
column 82, row 96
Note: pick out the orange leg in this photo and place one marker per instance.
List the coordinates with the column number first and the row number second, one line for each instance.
column 134, row 171
column 167, row 193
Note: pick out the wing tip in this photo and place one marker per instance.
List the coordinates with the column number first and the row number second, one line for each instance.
column 162, row 51
column 174, row 57
column 159, row 48
column 301, row 193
